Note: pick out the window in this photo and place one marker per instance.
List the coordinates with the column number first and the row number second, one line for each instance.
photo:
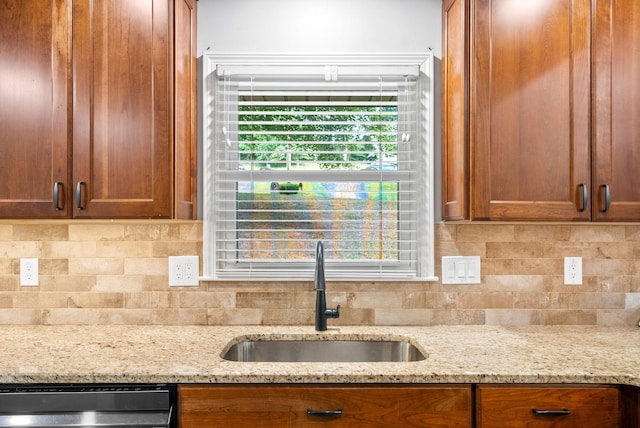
column 297, row 151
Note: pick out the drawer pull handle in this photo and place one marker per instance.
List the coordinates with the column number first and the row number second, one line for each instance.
column 551, row 413
column 584, row 197
column 325, row 413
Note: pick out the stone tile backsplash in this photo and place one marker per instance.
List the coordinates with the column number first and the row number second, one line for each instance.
column 115, row 272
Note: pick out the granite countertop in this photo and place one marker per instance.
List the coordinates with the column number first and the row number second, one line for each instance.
column 192, row 354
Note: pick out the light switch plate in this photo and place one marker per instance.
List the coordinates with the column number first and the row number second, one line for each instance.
column 461, row 269
column 183, row 271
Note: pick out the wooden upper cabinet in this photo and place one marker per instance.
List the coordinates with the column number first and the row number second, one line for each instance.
column 122, row 163
column 35, row 138
column 616, row 110
column 97, row 109
column 455, row 138
column 185, row 133
column 529, row 110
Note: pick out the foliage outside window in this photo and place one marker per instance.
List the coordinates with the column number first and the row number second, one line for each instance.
column 294, row 156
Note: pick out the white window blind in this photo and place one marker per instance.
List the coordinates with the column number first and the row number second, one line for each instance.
column 298, row 156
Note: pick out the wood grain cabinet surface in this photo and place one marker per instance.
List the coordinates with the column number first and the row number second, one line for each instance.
column 548, row 124
column 89, row 129
column 292, row 406
column 548, row 406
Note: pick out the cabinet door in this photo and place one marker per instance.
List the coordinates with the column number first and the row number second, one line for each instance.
column 185, row 109
column 334, row 406
column 122, row 163
column 455, row 141
column 548, row 406
column 34, row 102
column 529, row 120
column 616, row 111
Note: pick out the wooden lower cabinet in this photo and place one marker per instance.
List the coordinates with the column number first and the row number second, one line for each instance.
column 549, row 406
column 353, row 406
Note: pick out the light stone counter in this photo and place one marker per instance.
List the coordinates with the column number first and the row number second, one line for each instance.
column 456, row 354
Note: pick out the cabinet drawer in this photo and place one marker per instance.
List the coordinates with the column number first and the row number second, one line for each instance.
column 360, row 406
column 548, row 406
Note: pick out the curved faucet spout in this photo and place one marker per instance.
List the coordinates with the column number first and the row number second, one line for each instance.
column 319, row 282
column 322, row 313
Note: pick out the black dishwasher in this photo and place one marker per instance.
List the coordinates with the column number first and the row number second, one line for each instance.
column 86, row 406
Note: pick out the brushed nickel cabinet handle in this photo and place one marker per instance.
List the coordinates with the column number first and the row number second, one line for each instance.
column 551, row 413
column 607, row 197
column 79, row 195
column 56, row 195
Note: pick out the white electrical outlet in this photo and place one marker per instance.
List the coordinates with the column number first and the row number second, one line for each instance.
column 573, row 270
column 29, row 271
column 183, row 271
column 461, row 269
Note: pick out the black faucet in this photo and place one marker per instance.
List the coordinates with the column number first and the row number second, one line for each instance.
column 322, row 313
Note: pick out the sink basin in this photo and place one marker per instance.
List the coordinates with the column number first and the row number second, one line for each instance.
column 349, row 351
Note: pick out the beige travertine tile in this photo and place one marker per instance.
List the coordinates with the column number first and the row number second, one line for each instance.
column 152, row 231
column 542, row 232
column 8, row 266
column 264, row 300
column 484, row 232
column 8, row 282
column 91, row 316
column 6, row 232
column 17, row 249
column 6, row 300
column 597, row 233
column 526, row 283
column 20, row 316
column 569, row 317
column 67, row 249
column 67, row 283
column 632, row 301
column 430, row 300
column 275, row 316
column 96, row 266
column 131, row 283
column 33, row 231
column 179, row 317
column 173, row 248
column 95, row 300
column 96, row 232
column 445, row 232
column 523, row 267
column 513, row 316
column 515, row 250
column 364, row 299
column 207, row 299
column 37, row 300
column 632, row 232
column 479, row 300
column 147, row 299
column 114, row 249
column 146, row 266
column 224, row 316
column 404, row 317
column 629, row 317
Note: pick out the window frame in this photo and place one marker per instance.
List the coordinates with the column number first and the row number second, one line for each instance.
column 393, row 64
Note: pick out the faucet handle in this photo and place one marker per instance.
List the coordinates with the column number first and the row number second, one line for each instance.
column 332, row 313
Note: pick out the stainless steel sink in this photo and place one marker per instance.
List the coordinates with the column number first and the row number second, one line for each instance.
column 324, row 351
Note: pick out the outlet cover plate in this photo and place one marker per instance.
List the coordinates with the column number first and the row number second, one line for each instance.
column 184, row 271
column 573, row 270
column 461, row 270
column 29, row 272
